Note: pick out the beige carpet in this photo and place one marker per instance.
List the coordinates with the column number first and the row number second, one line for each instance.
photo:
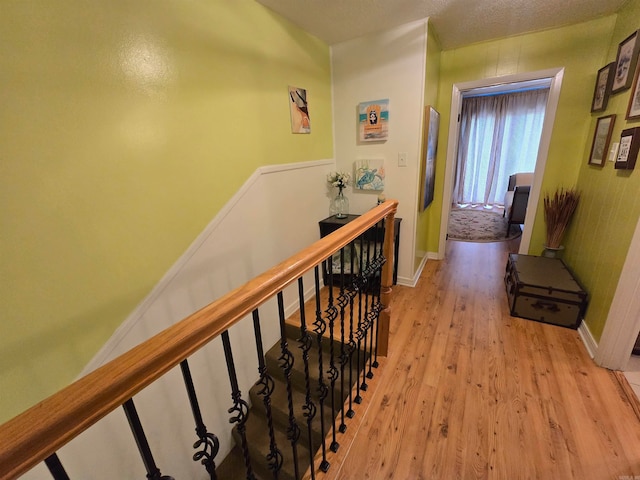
column 479, row 226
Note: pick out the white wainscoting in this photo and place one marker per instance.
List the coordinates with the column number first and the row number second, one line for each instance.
column 274, row 215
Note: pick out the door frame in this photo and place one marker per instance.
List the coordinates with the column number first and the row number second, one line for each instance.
column 555, row 75
column 623, row 320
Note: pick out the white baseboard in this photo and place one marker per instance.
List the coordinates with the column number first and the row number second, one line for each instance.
column 588, row 340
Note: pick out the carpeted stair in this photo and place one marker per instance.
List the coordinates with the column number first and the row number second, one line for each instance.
column 257, row 430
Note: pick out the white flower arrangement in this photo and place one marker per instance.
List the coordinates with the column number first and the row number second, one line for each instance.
column 339, row 179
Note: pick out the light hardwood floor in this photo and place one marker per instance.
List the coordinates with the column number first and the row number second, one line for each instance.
column 469, row 392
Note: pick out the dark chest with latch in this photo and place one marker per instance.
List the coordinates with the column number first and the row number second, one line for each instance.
column 544, row 289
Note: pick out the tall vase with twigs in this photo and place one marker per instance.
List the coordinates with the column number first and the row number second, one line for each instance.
column 558, row 210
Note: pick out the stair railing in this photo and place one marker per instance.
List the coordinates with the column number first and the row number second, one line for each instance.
column 355, row 322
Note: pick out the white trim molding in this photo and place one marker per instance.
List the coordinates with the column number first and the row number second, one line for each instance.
column 588, row 340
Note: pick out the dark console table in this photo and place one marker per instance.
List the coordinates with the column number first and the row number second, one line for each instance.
column 331, row 224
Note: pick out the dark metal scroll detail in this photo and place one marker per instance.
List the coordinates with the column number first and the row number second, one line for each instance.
column 342, row 301
column 320, row 327
column 240, row 409
column 274, row 457
column 55, row 467
column 286, row 363
column 331, row 313
column 153, row 472
column 305, row 341
column 351, row 346
column 207, row 444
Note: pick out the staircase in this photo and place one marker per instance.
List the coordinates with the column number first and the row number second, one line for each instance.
column 257, row 425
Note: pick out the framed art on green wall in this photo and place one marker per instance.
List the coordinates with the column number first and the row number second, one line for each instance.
column 626, row 63
column 629, row 146
column 601, row 93
column 601, row 139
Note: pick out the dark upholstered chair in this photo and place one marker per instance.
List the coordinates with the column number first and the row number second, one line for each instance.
column 516, row 199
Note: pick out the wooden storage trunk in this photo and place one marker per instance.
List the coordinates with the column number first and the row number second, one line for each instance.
column 544, row 289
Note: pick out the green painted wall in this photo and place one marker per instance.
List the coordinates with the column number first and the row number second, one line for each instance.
column 581, row 49
column 124, row 128
column 432, row 84
column 601, row 232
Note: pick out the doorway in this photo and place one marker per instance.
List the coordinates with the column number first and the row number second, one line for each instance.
column 554, row 78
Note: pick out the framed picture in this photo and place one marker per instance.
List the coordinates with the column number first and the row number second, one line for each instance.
column 628, row 150
column 601, row 93
column 633, row 110
column 299, row 109
column 601, row 139
column 373, row 120
column 429, row 151
column 625, row 63
column 369, row 174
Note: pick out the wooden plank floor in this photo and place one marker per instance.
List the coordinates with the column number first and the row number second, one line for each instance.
column 469, row 392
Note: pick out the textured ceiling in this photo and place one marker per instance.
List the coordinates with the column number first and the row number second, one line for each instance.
column 457, row 22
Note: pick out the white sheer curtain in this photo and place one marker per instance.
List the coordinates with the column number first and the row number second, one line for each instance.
column 499, row 136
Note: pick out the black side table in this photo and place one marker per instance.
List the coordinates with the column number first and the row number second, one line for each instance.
column 331, row 224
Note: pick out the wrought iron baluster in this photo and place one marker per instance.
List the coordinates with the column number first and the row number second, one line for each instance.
column 286, row 363
column 381, row 261
column 274, row 457
column 331, row 313
column 375, row 294
column 365, row 315
column 240, row 407
column 309, row 408
column 153, row 472
column 320, row 327
column 208, row 443
column 362, row 285
column 343, row 300
column 352, row 344
column 55, row 467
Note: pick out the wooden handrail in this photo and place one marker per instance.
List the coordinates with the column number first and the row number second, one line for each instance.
column 32, row 436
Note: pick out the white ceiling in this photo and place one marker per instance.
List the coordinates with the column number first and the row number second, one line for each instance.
column 457, row 22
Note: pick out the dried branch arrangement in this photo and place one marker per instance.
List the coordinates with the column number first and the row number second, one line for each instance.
column 558, row 210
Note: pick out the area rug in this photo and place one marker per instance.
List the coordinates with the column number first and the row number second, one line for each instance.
column 480, row 226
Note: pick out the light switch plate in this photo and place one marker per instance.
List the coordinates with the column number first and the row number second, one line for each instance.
column 402, row 159
column 613, row 151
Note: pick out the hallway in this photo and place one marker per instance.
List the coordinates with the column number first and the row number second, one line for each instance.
column 470, row 392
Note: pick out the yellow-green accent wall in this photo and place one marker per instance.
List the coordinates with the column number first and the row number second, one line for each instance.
column 581, row 49
column 432, row 83
column 602, row 228
column 124, row 128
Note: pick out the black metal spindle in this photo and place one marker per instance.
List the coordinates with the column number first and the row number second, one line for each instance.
column 274, row 457
column 365, row 315
column 153, row 472
column 352, row 344
column 320, row 327
column 362, row 285
column 331, row 314
column 286, row 363
column 309, row 408
column 55, row 467
column 376, row 276
column 207, row 443
column 240, row 407
column 343, row 300
column 379, row 289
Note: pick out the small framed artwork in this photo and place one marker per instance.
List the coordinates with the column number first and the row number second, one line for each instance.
column 373, row 120
column 429, row 151
column 633, row 109
column 299, row 108
column 625, row 63
column 369, row 174
column 628, row 150
column 604, row 80
column 601, row 139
